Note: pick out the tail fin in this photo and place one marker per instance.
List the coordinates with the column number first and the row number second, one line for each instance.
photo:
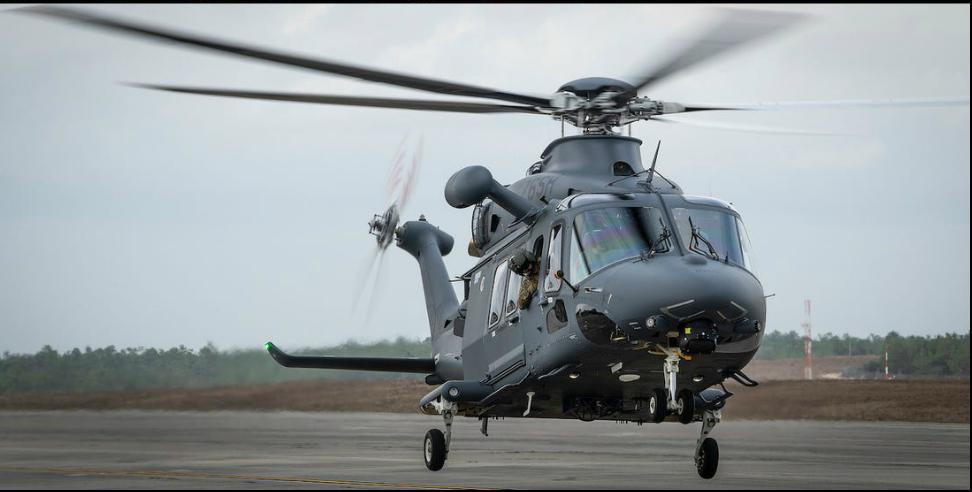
column 428, row 245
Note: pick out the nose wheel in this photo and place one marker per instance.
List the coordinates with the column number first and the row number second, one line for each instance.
column 707, row 458
column 706, row 449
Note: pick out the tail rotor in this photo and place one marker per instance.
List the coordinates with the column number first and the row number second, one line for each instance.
column 399, row 185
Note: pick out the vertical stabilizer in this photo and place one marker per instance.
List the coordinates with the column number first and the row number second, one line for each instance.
column 428, row 245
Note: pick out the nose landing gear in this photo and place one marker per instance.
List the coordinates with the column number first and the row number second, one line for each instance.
column 683, row 403
column 436, row 443
column 706, row 449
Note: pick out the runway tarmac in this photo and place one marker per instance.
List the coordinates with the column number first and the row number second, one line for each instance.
column 144, row 449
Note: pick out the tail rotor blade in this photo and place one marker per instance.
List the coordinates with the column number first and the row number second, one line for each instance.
column 364, row 274
column 376, row 293
column 411, row 176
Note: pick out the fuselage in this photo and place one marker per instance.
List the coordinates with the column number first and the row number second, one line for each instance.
column 627, row 269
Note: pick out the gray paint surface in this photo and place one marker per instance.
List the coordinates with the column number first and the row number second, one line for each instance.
column 335, row 450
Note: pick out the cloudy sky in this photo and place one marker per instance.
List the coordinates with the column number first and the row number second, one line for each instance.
column 140, row 218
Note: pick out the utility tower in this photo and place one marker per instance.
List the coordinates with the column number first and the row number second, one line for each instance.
column 807, row 343
column 887, row 371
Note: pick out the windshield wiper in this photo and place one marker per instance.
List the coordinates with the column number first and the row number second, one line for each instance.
column 660, row 243
column 696, row 238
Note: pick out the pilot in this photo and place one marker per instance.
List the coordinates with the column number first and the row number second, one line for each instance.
column 525, row 264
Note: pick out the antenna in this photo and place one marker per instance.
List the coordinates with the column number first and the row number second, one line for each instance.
column 654, row 160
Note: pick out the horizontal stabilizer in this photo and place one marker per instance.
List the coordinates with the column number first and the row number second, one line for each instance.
column 385, row 364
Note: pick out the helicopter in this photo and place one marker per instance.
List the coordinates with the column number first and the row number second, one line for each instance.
column 600, row 290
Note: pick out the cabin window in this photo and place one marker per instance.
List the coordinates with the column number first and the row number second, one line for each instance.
column 512, row 292
column 498, row 293
column 556, row 317
column 551, row 283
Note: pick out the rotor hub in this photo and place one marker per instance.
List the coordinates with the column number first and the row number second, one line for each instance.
column 383, row 227
column 591, row 87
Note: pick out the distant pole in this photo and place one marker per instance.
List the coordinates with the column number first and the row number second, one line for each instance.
column 887, row 372
column 807, row 343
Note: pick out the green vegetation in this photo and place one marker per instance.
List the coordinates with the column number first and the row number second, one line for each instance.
column 109, row 369
column 912, row 356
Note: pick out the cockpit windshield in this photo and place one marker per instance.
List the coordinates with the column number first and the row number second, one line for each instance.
column 607, row 235
column 717, row 234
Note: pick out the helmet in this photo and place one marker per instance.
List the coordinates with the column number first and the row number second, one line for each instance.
column 523, row 262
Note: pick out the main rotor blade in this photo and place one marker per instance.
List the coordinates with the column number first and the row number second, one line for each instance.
column 843, row 103
column 320, row 65
column 375, row 102
column 734, row 28
column 742, row 128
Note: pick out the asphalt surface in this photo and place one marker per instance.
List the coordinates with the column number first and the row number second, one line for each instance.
column 139, row 449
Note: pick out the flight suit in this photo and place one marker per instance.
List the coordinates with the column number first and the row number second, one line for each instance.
column 528, row 287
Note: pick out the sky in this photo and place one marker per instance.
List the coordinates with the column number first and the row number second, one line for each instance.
column 137, row 218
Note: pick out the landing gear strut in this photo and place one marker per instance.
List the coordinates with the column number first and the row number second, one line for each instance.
column 436, row 444
column 682, row 403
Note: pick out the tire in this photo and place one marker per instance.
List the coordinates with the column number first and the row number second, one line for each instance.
column 658, row 405
column 707, row 460
column 434, row 450
column 686, row 401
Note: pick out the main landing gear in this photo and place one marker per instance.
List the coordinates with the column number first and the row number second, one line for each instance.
column 436, row 444
column 662, row 402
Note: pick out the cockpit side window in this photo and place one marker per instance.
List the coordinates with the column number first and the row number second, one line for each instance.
column 747, row 248
column 551, row 283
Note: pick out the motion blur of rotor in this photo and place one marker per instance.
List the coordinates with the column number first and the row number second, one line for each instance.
column 596, row 105
column 398, row 189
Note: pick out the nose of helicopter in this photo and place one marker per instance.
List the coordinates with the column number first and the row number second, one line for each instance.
column 648, row 299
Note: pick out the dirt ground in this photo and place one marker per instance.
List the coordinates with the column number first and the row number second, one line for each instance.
column 829, row 367
column 915, row 401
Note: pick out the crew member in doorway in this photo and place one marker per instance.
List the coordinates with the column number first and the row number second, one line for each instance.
column 525, row 264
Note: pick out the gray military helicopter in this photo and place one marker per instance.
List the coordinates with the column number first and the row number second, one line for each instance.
column 602, row 291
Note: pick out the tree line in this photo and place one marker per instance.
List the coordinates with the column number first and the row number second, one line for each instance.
column 111, row 369
column 937, row 356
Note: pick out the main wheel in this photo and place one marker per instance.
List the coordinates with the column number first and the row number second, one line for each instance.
column 658, row 405
column 707, row 459
column 435, row 449
column 686, row 406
